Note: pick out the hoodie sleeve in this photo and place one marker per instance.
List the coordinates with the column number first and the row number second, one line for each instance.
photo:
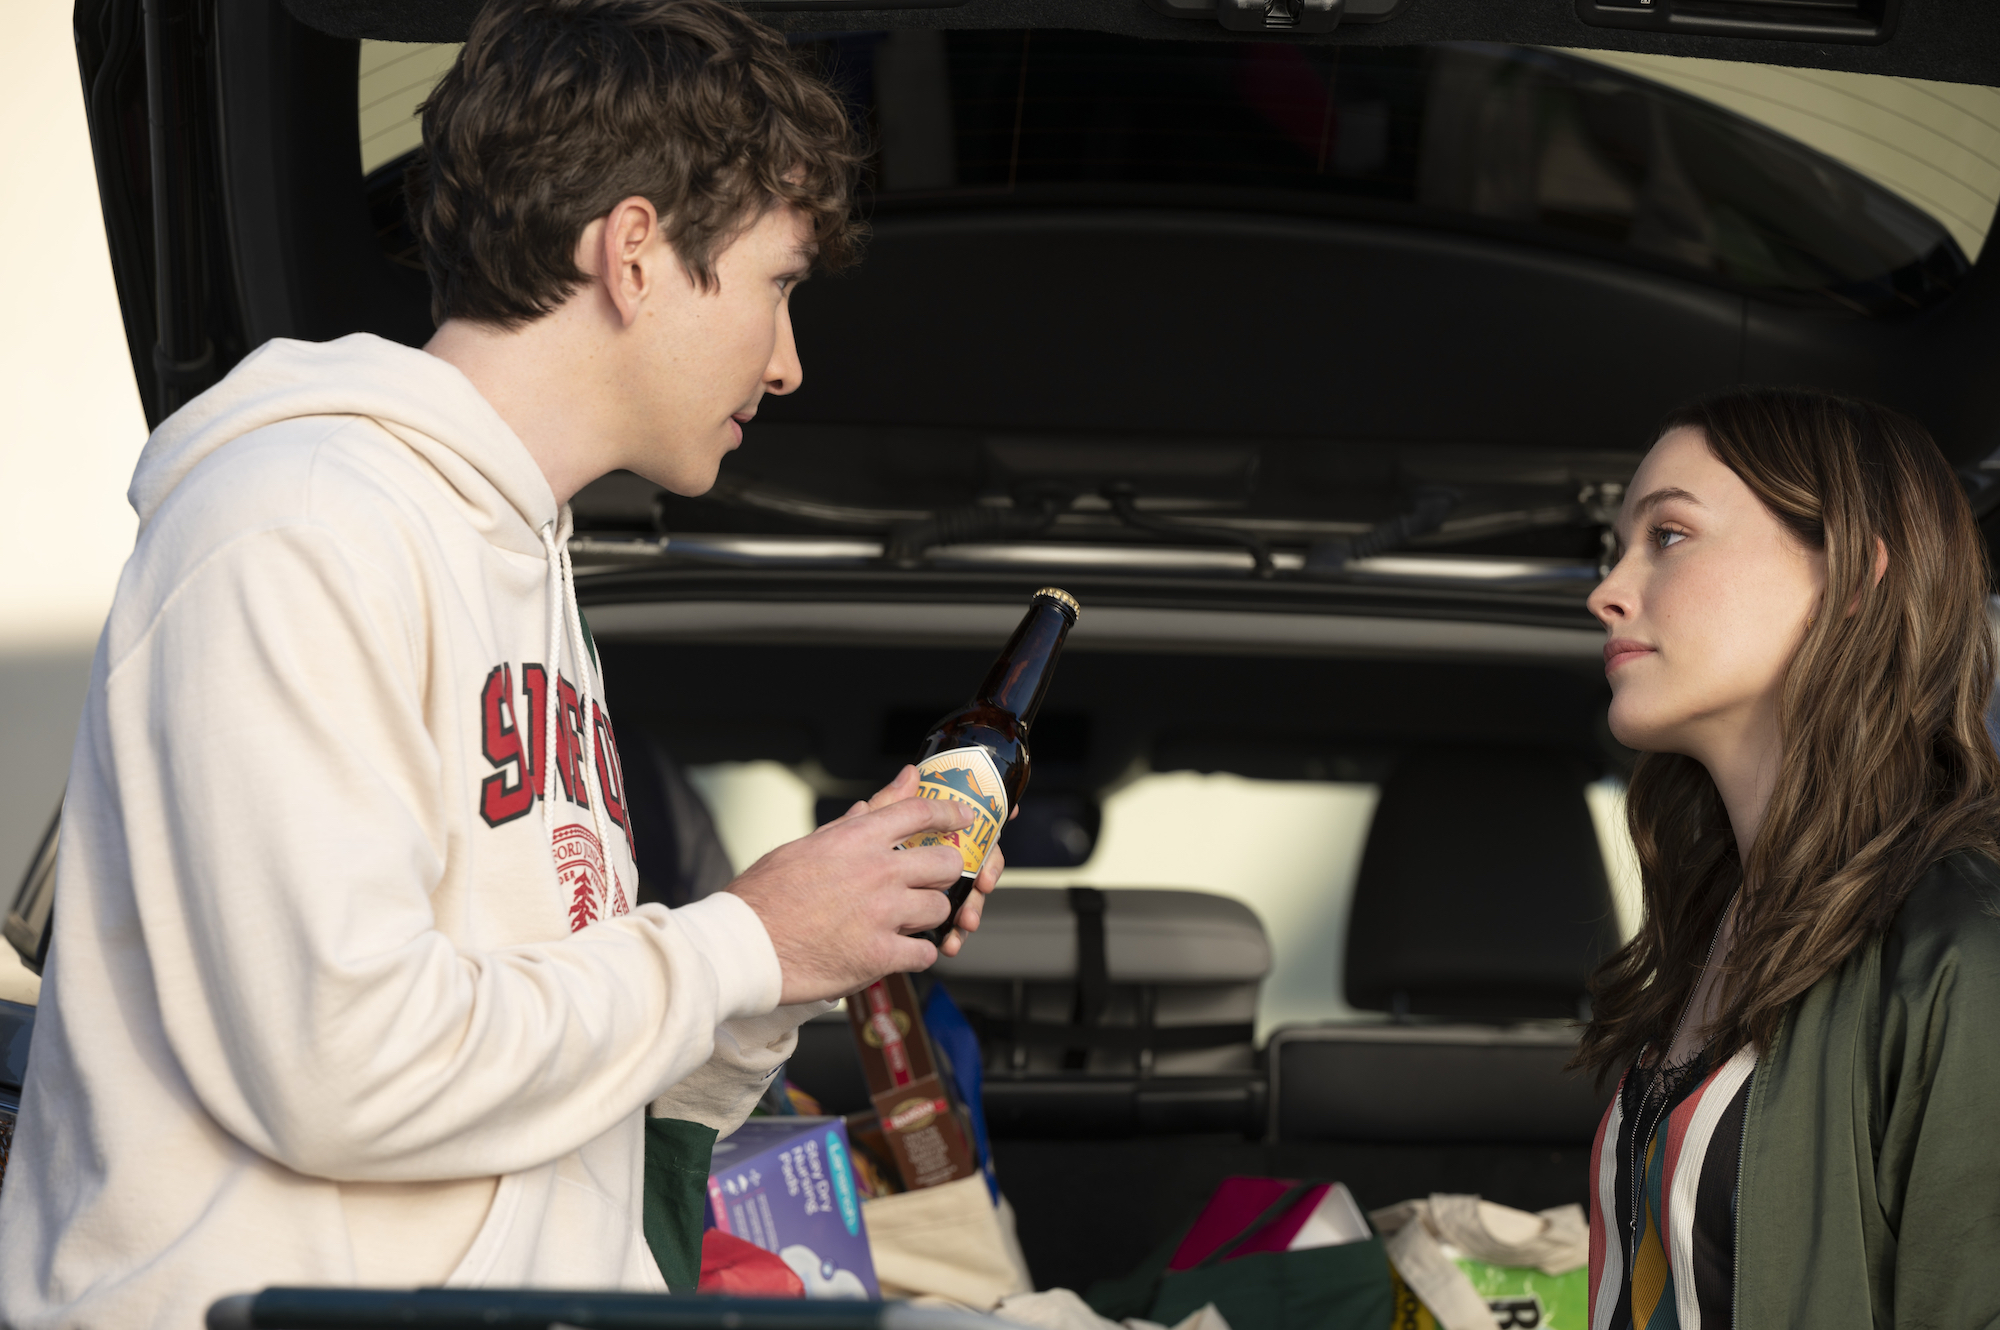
column 750, row 1053
column 283, row 804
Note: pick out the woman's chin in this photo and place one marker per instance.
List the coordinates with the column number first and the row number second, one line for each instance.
column 1631, row 726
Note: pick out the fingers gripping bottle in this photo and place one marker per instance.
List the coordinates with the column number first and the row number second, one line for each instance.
column 978, row 755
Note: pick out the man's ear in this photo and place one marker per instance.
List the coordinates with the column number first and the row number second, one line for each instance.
column 625, row 253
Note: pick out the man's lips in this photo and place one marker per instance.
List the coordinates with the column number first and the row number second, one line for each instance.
column 1619, row 650
column 737, row 421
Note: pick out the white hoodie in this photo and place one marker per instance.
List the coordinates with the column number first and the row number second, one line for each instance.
column 336, row 996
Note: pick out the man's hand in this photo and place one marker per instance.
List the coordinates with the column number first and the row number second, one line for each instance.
column 839, row 904
column 905, row 787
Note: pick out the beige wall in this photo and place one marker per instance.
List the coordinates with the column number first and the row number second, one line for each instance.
column 71, row 430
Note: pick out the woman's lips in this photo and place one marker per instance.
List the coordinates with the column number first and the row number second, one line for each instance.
column 1620, row 650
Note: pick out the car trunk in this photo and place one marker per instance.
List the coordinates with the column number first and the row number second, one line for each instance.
column 1105, row 1161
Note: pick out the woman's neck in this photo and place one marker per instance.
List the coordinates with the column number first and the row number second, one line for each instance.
column 1743, row 762
column 1705, row 1002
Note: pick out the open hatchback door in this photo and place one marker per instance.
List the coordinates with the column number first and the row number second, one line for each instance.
column 1310, row 344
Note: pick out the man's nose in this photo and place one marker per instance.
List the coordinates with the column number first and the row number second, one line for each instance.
column 784, row 374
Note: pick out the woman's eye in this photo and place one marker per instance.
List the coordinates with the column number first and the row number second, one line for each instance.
column 1666, row 537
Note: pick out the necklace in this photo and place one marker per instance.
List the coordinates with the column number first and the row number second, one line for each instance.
column 1661, row 1082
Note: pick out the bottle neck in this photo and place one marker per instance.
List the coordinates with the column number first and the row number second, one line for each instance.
column 1021, row 675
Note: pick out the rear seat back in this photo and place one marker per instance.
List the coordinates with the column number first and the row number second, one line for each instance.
column 1115, row 1013
column 1480, row 910
column 1430, row 1084
column 1482, row 893
column 1132, row 982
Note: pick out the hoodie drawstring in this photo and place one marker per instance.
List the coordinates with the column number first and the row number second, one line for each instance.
column 549, row 688
column 563, row 613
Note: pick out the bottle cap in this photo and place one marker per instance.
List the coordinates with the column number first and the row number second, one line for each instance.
column 1060, row 597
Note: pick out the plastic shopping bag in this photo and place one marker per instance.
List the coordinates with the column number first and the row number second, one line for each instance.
column 1461, row 1263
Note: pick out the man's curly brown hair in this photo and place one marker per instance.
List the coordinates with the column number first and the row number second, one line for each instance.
column 557, row 109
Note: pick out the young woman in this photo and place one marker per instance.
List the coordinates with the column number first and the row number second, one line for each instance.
column 1807, row 1128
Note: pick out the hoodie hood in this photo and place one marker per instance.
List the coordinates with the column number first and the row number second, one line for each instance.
column 422, row 400
column 432, row 408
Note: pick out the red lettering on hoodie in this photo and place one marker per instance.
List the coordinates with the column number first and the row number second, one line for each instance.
column 501, row 798
column 535, row 687
column 512, row 741
column 535, row 683
column 611, row 776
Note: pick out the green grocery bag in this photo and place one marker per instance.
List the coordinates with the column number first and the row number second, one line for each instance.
column 1462, row 1263
column 676, row 1197
column 1344, row 1287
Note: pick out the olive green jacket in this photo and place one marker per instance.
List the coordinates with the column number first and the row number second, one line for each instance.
column 1870, row 1190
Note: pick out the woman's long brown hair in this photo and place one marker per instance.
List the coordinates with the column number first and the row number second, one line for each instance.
column 1887, row 765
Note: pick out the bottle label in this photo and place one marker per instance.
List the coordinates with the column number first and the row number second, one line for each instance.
column 971, row 777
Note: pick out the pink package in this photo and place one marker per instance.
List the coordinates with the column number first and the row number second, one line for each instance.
column 1234, row 1207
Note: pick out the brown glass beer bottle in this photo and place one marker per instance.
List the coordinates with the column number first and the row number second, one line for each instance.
column 978, row 755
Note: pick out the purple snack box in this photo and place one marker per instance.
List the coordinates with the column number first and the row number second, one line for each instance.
column 785, row 1184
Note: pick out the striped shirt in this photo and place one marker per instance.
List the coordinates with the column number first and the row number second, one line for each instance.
column 1666, row 1154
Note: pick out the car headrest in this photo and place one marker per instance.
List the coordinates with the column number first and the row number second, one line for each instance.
column 1482, row 893
column 1150, row 936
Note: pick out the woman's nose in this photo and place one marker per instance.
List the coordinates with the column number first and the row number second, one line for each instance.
column 1611, row 602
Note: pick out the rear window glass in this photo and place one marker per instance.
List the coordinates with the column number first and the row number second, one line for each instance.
column 1539, row 144
column 395, row 79
column 1936, row 145
column 1866, row 193
column 1289, row 849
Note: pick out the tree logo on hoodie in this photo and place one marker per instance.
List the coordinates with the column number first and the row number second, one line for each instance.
column 580, row 870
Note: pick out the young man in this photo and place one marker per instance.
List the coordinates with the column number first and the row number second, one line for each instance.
column 347, row 985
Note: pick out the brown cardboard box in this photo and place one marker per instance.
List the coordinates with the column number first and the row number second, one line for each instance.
column 874, row 1163
column 889, row 1032
column 912, row 1102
